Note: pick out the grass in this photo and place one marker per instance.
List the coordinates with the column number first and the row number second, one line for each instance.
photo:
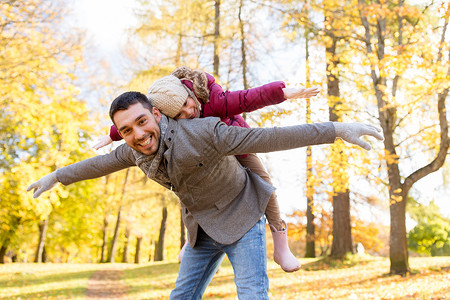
column 356, row 277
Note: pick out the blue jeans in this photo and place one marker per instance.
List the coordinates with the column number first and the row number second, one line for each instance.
column 247, row 256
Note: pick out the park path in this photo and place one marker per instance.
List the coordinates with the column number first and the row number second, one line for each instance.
column 107, row 284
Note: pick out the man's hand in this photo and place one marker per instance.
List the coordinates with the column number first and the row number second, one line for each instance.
column 351, row 132
column 44, row 184
column 102, row 142
column 293, row 93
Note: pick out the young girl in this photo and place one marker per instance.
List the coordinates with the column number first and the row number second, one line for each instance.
column 191, row 94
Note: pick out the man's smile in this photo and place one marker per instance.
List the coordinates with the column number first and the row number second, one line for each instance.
column 146, row 141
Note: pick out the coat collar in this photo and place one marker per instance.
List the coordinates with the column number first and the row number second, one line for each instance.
column 153, row 161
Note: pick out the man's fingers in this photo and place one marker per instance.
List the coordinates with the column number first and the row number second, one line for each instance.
column 37, row 193
column 375, row 132
column 36, row 188
column 358, row 142
column 364, row 145
column 32, row 186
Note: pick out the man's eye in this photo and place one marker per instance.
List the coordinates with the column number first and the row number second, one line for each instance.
column 185, row 103
column 126, row 131
column 142, row 121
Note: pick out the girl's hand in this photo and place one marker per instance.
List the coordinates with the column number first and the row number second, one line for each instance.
column 102, row 142
column 294, row 93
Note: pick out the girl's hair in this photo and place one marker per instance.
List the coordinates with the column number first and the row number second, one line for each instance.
column 198, row 79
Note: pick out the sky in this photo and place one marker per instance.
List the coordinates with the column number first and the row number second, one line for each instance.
column 106, row 21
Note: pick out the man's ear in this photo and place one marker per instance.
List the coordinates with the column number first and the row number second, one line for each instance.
column 157, row 114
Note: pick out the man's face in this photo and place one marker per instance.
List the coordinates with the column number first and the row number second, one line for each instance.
column 139, row 127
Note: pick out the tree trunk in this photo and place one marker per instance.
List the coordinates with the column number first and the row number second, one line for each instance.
column 137, row 256
column 44, row 255
column 398, row 243
column 115, row 239
column 182, row 230
column 151, row 253
column 159, row 249
column 127, row 244
column 310, row 228
column 3, row 250
column 216, row 37
column 105, row 240
column 40, row 247
column 179, row 47
column 243, row 51
column 342, row 234
column 112, row 252
column 105, row 227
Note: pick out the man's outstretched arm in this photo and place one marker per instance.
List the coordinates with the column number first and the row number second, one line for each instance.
column 234, row 140
column 94, row 167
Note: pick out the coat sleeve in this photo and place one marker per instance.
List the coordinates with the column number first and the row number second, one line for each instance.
column 225, row 103
column 114, row 133
column 98, row 166
column 232, row 140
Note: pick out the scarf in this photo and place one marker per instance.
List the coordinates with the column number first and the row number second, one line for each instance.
column 151, row 164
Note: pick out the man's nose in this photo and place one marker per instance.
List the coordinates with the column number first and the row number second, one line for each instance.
column 139, row 133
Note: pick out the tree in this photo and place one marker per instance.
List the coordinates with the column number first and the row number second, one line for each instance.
column 159, row 249
column 137, row 257
column 310, row 228
column 115, row 239
column 342, row 235
column 43, row 226
column 431, row 235
column 393, row 37
column 38, row 59
column 216, row 60
column 104, row 251
column 174, row 32
column 330, row 34
column 127, row 245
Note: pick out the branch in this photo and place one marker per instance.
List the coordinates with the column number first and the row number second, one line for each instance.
column 408, row 113
column 414, row 135
column 437, row 163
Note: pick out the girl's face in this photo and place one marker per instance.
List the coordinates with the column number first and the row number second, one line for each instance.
column 188, row 110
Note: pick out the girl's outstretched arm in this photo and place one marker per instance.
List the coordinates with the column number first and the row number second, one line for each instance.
column 229, row 103
column 102, row 142
column 108, row 139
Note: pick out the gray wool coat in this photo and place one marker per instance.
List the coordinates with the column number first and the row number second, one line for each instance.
column 198, row 164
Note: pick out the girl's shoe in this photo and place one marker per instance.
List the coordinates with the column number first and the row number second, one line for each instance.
column 282, row 255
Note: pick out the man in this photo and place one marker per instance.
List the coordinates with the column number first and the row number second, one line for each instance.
column 223, row 203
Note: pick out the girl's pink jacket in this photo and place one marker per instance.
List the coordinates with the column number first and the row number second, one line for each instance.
column 229, row 106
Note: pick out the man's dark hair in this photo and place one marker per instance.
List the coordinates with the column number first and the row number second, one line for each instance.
column 124, row 101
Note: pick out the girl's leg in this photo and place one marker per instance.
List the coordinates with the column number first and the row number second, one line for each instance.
column 272, row 210
column 282, row 254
